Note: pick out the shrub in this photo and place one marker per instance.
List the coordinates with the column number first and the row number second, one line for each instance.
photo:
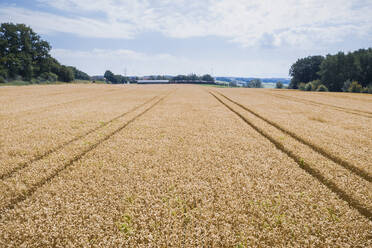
column 255, row 83
column 302, row 86
column 48, row 76
column 355, row 87
column 346, row 86
column 365, row 90
column 315, row 84
column 279, row 85
column 34, row 81
column 369, row 88
column 322, row 88
column 309, row 87
column 2, row 80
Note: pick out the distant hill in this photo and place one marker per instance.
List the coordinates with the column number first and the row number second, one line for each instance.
column 244, row 79
column 225, row 79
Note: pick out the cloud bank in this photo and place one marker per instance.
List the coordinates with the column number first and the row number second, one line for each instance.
column 266, row 23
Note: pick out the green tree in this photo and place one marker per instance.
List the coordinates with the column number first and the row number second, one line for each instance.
column 180, row 78
column 193, row 77
column 65, row 74
column 305, row 70
column 207, row 78
column 20, row 51
column 335, row 70
column 79, row 74
column 255, row 83
column 279, row 85
column 24, row 54
column 109, row 76
column 363, row 66
column 119, row 79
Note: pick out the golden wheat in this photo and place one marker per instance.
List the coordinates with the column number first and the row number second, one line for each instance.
column 344, row 135
column 179, row 171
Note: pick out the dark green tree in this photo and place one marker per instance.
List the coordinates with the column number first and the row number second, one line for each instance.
column 279, row 85
column 363, row 66
column 65, row 74
column 193, row 77
column 335, row 70
column 255, row 83
column 180, row 78
column 207, row 78
column 119, row 79
column 24, row 54
column 21, row 51
column 305, row 70
column 79, row 74
column 110, row 76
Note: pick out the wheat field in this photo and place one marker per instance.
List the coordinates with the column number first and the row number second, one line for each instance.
column 184, row 166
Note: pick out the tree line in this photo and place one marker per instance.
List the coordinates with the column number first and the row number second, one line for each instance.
column 119, row 79
column 25, row 56
column 115, row 79
column 350, row 72
column 193, row 78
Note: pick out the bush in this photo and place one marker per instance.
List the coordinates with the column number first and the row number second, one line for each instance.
column 47, row 76
column 279, row 85
column 255, row 83
column 309, row 87
column 365, row 90
column 315, row 84
column 322, row 88
column 355, row 87
column 369, row 88
column 301, row 86
column 2, row 80
column 34, row 81
column 346, row 86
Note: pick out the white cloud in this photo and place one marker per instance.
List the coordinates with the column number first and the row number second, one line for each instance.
column 303, row 23
column 47, row 23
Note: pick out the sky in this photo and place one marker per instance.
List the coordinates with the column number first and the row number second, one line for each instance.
column 244, row 38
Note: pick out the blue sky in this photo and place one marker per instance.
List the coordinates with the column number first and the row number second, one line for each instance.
column 260, row 38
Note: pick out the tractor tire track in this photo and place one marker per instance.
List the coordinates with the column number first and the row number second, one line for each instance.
column 61, row 146
column 307, row 167
column 31, row 190
column 314, row 103
column 360, row 172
